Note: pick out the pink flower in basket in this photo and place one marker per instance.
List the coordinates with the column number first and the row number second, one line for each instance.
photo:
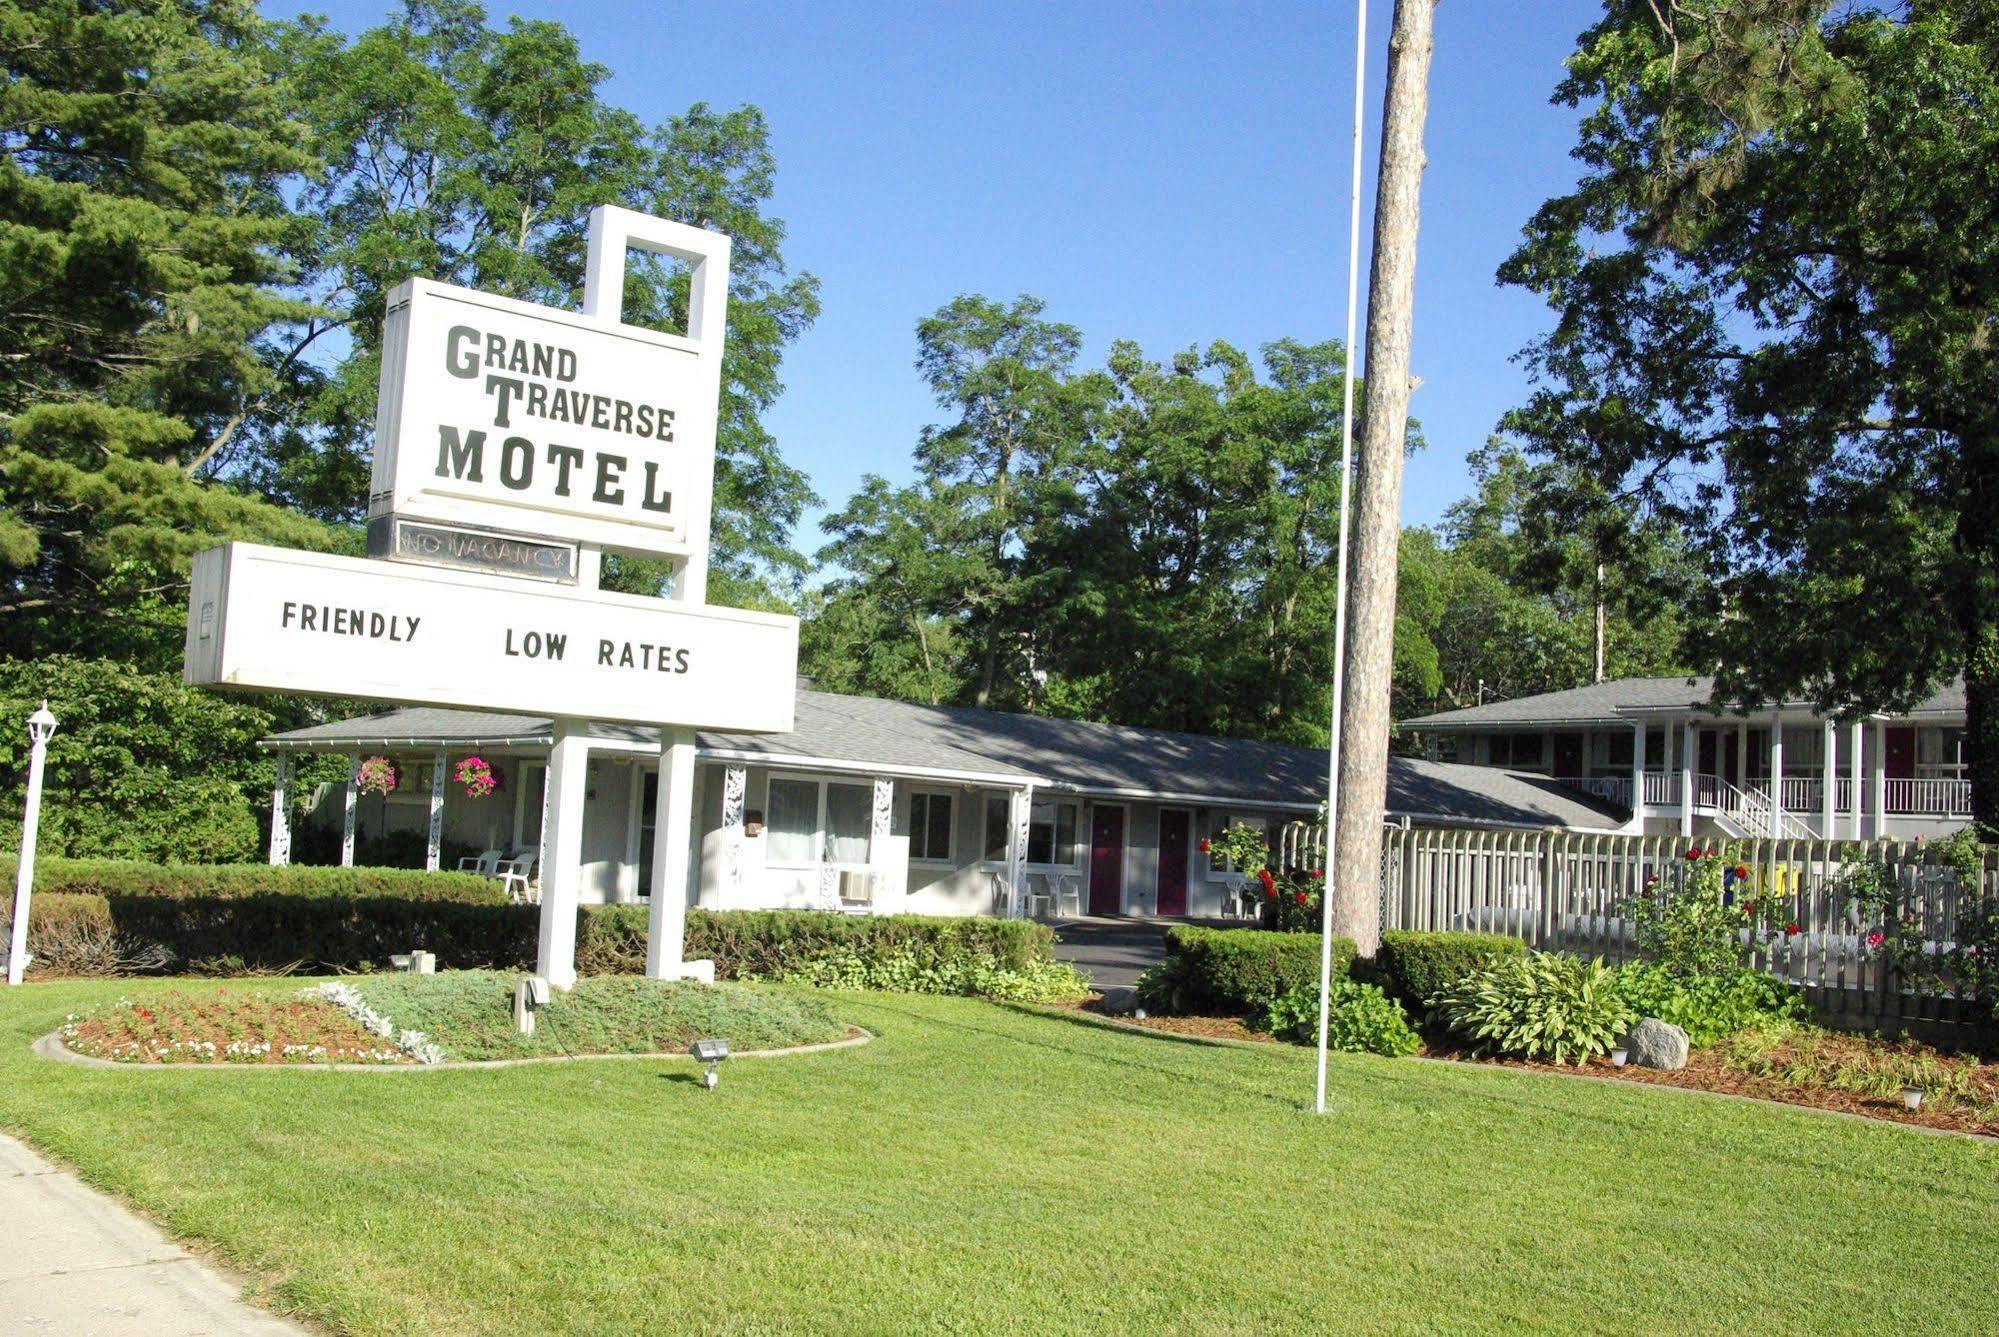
column 376, row 776
column 476, row 774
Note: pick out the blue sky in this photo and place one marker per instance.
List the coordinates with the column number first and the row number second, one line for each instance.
column 1169, row 173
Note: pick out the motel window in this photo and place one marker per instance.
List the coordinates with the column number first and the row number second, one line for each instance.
column 1940, row 753
column 1218, row 826
column 810, row 821
column 930, row 827
column 1655, row 749
column 1051, row 833
column 791, row 821
column 1521, row 750
column 1611, row 750
column 1447, row 747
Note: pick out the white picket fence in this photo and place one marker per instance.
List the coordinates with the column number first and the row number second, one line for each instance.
column 1572, row 891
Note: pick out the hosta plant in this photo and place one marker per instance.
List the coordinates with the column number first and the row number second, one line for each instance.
column 1542, row 1006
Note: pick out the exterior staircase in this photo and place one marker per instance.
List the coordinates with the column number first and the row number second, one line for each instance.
column 1743, row 814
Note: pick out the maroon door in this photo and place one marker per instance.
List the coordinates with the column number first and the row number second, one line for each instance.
column 1708, row 747
column 1899, row 760
column 1568, row 754
column 1106, row 860
column 1731, row 764
column 1173, row 861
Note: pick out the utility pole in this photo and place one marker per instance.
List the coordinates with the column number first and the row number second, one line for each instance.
column 1370, row 649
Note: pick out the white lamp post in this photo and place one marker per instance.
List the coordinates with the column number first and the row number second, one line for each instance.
column 41, row 724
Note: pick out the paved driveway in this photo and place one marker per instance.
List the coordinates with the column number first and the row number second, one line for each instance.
column 1111, row 951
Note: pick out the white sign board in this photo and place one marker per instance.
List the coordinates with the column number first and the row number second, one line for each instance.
column 278, row 620
column 562, row 424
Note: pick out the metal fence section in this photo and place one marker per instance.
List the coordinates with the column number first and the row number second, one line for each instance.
column 1572, row 891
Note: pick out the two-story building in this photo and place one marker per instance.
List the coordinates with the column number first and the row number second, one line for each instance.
column 1657, row 749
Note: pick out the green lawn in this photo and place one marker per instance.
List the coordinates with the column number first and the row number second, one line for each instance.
column 978, row 1169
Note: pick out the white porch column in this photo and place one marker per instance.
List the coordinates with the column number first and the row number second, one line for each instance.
column 1856, row 740
column 432, row 851
column 1829, row 779
column 673, row 835
column 735, row 785
column 1776, row 772
column 347, row 813
column 1637, row 823
column 1741, row 754
column 562, row 852
column 281, row 813
column 1020, row 809
column 1687, row 778
column 883, row 875
column 1879, row 774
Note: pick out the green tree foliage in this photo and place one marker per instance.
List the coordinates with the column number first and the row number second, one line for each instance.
column 457, row 151
column 140, row 767
column 144, row 150
column 1774, row 287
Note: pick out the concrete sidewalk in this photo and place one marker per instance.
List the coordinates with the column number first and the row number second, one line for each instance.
column 76, row 1261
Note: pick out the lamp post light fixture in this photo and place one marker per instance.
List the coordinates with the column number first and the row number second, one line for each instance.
column 41, row 725
column 709, row 1054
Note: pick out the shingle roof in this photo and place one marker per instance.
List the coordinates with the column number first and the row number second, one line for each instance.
column 903, row 738
column 1603, row 702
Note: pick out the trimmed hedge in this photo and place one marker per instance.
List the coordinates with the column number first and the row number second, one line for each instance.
column 153, row 932
column 1414, row 967
column 612, row 939
column 1239, row 971
column 235, row 881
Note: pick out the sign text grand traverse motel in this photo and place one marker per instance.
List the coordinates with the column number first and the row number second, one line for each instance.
column 514, row 445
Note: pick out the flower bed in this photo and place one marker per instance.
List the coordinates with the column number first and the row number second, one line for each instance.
column 228, row 1027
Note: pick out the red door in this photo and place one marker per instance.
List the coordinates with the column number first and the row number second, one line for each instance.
column 1106, row 860
column 1899, row 760
column 1708, row 741
column 1568, row 754
column 1173, row 827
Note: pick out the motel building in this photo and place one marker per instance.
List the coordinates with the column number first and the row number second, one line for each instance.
column 881, row 807
column 1785, row 772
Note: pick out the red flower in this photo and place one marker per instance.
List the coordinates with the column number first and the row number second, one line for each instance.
column 1742, row 872
column 1299, row 897
column 1205, row 846
column 1693, row 855
column 1876, row 939
column 1264, row 877
column 1792, row 930
column 1318, row 875
column 1270, row 891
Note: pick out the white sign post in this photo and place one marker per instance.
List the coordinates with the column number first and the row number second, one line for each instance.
column 526, row 441
column 41, row 725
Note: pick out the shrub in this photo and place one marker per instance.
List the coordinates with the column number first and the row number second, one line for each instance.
column 1167, row 987
column 1540, row 1006
column 1291, row 903
column 1707, row 1007
column 772, row 944
column 1237, row 971
column 234, row 881
column 1694, row 922
column 1415, row 967
column 1360, row 1019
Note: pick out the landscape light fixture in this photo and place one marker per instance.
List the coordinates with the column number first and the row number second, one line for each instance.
column 1912, row 1098
column 1619, row 1057
column 709, row 1054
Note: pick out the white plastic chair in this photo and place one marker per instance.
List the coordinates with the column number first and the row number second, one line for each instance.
column 517, row 875
column 486, row 864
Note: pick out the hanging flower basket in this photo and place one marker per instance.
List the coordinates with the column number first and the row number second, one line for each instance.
column 477, row 775
column 376, row 776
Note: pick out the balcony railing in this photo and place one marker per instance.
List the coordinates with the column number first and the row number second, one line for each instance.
column 1924, row 797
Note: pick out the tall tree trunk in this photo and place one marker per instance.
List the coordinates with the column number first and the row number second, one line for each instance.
column 1978, row 622
column 1364, row 721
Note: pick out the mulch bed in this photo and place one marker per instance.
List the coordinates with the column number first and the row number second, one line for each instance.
column 1208, row 1028
column 1708, row 1070
column 228, row 1028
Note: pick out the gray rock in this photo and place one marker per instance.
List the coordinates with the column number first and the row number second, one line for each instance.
column 1119, row 999
column 1657, row 1044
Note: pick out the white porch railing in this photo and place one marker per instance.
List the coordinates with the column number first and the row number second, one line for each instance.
column 1803, row 796
column 1610, row 788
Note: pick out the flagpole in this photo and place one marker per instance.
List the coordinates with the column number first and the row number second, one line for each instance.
column 1340, row 565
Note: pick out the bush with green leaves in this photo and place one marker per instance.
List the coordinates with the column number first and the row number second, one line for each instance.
column 1699, row 917
column 901, row 969
column 1415, row 966
column 1360, row 1019
column 1235, row 972
column 1543, row 1006
column 1708, row 1007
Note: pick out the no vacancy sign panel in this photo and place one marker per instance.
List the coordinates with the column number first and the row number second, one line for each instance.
column 280, row 620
